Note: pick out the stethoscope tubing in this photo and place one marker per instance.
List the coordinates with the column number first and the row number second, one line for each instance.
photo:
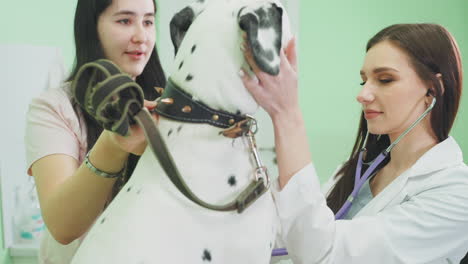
column 360, row 179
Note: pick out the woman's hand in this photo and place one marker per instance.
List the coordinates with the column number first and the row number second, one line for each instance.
column 135, row 143
column 276, row 94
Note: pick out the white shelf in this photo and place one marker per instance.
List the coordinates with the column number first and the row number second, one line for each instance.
column 19, row 250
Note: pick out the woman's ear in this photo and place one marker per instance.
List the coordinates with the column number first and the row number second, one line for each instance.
column 432, row 90
column 441, row 83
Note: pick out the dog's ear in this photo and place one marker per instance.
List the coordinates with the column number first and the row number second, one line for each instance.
column 263, row 25
column 182, row 20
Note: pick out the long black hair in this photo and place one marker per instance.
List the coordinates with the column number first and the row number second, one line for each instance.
column 88, row 48
column 431, row 49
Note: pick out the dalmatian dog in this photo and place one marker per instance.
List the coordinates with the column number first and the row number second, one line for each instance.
column 150, row 220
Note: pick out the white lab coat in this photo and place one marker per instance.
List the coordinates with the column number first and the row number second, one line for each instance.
column 421, row 217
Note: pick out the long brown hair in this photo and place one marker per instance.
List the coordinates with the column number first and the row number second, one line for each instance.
column 431, row 49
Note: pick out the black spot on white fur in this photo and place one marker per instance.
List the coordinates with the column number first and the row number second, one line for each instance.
column 103, row 220
column 189, row 78
column 194, row 47
column 206, row 255
column 170, row 132
column 232, row 181
column 181, row 64
column 129, row 188
column 179, row 128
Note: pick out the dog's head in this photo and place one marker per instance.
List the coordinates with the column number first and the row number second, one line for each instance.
column 207, row 37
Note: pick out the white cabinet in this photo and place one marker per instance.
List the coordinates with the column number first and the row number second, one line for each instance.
column 25, row 71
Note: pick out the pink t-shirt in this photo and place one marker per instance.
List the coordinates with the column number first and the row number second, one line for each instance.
column 53, row 127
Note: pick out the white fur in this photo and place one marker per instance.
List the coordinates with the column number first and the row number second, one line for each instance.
column 150, row 221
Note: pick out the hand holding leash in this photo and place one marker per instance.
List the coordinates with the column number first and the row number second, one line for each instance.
column 112, row 98
column 135, row 142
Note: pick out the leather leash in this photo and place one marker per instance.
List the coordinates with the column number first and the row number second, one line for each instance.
column 116, row 102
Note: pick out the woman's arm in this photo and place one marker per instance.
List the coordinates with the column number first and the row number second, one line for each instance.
column 72, row 196
column 278, row 95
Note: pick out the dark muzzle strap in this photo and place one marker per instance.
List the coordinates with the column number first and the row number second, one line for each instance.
column 108, row 95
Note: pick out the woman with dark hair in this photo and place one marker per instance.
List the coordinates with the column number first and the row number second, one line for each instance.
column 401, row 197
column 78, row 167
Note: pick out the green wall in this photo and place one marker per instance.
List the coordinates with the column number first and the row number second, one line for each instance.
column 332, row 38
column 333, row 35
column 42, row 23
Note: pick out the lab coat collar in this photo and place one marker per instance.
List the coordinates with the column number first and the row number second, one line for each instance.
column 443, row 155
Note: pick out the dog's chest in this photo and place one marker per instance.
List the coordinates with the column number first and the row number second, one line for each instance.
column 215, row 167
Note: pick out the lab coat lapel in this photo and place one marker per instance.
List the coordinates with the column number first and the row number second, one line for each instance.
column 394, row 191
column 443, row 155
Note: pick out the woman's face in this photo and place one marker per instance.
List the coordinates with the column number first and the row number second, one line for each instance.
column 393, row 96
column 127, row 34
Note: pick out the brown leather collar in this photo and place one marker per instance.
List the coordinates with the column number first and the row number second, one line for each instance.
column 178, row 105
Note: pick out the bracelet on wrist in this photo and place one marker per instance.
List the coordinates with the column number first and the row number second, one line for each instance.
column 100, row 172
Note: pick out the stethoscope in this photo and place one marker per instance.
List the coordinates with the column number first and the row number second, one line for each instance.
column 360, row 179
